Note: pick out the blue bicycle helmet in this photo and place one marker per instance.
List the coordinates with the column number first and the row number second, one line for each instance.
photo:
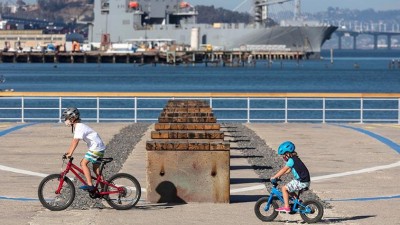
column 285, row 147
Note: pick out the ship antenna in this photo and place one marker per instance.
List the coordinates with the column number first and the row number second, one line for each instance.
column 297, row 10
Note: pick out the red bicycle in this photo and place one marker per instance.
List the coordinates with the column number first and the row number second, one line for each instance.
column 57, row 191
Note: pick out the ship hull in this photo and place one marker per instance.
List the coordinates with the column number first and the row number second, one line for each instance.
column 304, row 39
column 297, row 38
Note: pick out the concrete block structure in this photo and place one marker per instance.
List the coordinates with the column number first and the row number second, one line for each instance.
column 188, row 159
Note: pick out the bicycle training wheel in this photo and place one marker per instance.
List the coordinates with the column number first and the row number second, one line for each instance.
column 49, row 198
column 130, row 194
column 317, row 211
column 260, row 211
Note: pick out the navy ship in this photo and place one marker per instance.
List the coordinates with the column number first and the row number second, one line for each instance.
column 119, row 21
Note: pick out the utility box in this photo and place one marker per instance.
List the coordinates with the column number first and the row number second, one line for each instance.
column 188, row 159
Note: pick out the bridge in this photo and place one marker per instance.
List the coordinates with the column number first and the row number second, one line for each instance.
column 342, row 33
column 355, row 29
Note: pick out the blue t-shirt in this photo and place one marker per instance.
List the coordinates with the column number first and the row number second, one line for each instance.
column 299, row 170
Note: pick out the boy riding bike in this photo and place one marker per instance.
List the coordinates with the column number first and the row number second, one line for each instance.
column 299, row 170
column 96, row 147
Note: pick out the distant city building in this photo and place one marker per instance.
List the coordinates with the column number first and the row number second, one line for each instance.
column 18, row 40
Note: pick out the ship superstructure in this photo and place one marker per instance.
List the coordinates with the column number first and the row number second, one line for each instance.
column 124, row 20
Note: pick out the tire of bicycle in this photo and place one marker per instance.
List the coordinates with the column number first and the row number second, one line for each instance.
column 259, row 209
column 316, row 207
column 68, row 190
column 132, row 183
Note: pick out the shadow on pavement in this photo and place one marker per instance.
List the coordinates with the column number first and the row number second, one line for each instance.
column 244, row 198
column 245, row 156
column 250, row 167
column 248, row 180
column 154, row 206
column 336, row 220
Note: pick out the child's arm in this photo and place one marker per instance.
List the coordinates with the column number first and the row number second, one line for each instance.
column 72, row 147
column 281, row 172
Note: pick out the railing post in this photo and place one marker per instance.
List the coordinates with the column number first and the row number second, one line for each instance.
column 398, row 111
column 248, row 110
column 211, row 102
column 323, row 111
column 361, row 110
column 286, row 110
column 59, row 109
column 98, row 110
column 135, row 109
column 22, row 109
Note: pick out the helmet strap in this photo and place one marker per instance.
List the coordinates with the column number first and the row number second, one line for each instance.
column 285, row 157
column 73, row 125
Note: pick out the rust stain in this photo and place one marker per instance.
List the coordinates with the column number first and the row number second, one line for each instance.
column 214, row 169
column 194, row 165
column 162, row 171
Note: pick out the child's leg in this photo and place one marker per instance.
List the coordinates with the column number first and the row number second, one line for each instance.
column 96, row 169
column 86, row 171
column 285, row 193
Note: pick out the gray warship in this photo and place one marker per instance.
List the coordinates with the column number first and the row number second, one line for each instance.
column 119, row 21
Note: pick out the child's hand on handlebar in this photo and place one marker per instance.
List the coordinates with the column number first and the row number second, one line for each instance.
column 66, row 156
column 274, row 180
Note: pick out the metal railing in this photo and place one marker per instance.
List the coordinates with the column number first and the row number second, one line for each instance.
column 322, row 108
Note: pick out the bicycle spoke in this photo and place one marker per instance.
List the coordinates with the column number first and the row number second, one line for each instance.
column 49, row 198
column 126, row 191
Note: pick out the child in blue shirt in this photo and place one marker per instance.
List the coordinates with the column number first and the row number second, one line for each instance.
column 299, row 170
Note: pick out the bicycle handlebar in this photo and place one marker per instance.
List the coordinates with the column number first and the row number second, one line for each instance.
column 275, row 181
column 65, row 157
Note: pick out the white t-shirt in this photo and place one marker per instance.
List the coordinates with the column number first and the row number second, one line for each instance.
column 88, row 135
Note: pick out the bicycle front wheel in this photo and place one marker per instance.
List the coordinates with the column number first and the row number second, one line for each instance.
column 48, row 196
column 129, row 195
column 265, row 215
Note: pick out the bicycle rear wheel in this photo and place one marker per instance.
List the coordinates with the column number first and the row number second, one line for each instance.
column 261, row 213
column 48, row 196
column 316, row 211
column 130, row 195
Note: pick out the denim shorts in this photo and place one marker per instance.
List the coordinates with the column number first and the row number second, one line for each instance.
column 296, row 185
column 92, row 156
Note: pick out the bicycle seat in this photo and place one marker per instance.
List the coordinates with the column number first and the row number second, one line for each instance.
column 105, row 160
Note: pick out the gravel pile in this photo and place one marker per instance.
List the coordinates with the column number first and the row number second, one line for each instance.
column 119, row 148
column 264, row 160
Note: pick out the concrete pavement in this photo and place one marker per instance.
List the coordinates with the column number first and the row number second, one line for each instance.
column 348, row 164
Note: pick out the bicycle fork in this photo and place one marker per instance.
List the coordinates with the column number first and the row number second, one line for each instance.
column 61, row 183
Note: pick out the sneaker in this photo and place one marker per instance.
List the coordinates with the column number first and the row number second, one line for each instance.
column 283, row 209
column 87, row 188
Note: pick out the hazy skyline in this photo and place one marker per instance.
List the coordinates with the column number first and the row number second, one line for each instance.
column 314, row 5
column 307, row 5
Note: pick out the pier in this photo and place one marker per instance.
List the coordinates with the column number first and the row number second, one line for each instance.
column 228, row 58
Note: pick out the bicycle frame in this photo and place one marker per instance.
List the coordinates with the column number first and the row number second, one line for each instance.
column 76, row 170
column 297, row 206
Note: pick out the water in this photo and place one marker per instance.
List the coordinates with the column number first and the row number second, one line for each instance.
column 351, row 72
column 371, row 75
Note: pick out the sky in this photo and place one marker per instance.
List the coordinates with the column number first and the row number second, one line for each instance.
column 314, row 5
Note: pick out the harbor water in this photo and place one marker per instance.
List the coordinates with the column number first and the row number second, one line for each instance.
column 348, row 72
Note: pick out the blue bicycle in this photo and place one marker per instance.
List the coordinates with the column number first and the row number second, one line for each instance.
column 311, row 211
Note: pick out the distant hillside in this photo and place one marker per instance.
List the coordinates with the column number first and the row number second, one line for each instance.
column 67, row 11
column 72, row 10
column 210, row 14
